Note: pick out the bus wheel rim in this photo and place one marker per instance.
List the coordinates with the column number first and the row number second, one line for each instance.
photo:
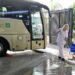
column 1, row 47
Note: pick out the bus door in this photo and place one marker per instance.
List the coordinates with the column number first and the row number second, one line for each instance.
column 38, row 41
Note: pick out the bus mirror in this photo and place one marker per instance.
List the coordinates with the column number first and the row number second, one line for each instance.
column 4, row 9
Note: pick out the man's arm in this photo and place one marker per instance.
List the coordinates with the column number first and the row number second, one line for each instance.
column 58, row 30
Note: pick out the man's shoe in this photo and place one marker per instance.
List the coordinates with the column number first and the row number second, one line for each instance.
column 59, row 57
column 62, row 59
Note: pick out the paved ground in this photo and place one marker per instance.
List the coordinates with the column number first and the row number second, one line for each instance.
column 35, row 64
column 32, row 63
column 51, row 49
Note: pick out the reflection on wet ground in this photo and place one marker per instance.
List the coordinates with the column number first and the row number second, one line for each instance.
column 36, row 64
column 53, row 66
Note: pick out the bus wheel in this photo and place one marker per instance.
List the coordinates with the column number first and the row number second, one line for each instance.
column 3, row 48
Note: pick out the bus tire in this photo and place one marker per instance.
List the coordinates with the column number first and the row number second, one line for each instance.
column 3, row 47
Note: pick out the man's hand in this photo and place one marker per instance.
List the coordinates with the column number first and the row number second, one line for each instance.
column 66, row 39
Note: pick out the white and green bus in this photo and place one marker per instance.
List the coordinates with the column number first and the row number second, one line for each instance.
column 22, row 25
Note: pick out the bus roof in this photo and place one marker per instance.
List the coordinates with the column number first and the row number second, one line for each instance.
column 21, row 4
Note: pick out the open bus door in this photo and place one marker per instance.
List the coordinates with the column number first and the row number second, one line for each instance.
column 40, row 22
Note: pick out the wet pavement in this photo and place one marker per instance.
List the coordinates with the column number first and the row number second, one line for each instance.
column 35, row 64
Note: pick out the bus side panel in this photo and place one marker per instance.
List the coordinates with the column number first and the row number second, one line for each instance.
column 19, row 35
column 21, row 42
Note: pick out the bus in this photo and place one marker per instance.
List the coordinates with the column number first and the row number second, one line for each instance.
column 22, row 25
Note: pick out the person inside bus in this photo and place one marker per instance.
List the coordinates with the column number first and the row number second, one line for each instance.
column 62, row 36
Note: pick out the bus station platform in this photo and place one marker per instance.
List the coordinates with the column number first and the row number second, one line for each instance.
column 50, row 49
column 53, row 49
column 33, row 63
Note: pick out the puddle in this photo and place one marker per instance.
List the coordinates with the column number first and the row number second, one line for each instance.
column 40, row 64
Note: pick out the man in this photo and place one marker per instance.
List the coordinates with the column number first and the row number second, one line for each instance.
column 61, row 39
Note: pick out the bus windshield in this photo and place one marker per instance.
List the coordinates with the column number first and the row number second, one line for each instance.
column 37, row 28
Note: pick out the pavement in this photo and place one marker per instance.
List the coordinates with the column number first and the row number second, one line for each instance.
column 32, row 63
column 51, row 49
